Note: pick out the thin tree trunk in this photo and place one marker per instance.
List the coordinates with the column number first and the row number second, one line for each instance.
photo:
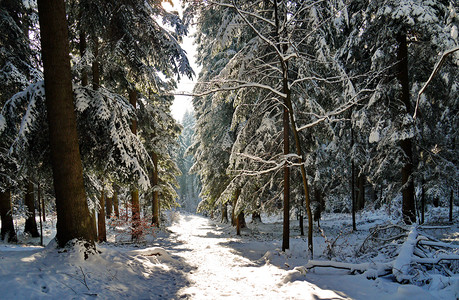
column 155, row 200
column 361, row 193
column 73, row 219
column 224, row 213
column 318, row 211
column 43, row 207
column 102, row 236
column 108, row 205
column 408, row 205
column 354, row 225
column 451, row 200
column 233, row 213
column 39, row 212
column 83, row 45
column 116, row 203
column 286, row 222
column 288, row 112
column 256, row 217
column 95, row 66
column 136, row 231
column 6, row 215
column 29, row 199
column 301, row 224
column 240, row 223
column 423, row 202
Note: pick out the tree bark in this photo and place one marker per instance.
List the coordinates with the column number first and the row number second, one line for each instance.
column 451, row 203
column 6, row 210
column 155, row 200
column 102, row 230
column 408, row 205
column 73, row 220
column 29, row 200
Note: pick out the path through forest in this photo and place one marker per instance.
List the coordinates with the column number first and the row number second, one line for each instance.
column 225, row 272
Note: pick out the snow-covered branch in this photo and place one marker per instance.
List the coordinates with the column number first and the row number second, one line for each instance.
column 432, row 75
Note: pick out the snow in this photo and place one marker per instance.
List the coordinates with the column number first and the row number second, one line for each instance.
column 374, row 137
column 2, row 123
column 196, row 258
column 454, row 32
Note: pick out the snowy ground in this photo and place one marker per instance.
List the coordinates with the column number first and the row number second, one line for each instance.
column 195, row 258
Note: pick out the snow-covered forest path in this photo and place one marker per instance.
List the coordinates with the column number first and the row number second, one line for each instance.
column 221, row 271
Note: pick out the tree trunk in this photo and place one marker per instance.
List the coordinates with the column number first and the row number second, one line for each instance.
column 361, row 193
column 423, row 202
column 286, row 222
column 6, row 210
column 39, row 211
column 116, row 204
column 155, row 200
column 73, row 220
column 451, row 200
column 29, row 200
column 288, row 113
column 354, row 225
column 83, row 45
column 318, row 210
column 102, row 236
column 95, row 66
column 43, row 206
column 408, row 205
column 233, row 213
column 108, row 205
column 136, row 231
column 240, row 223
column 256, row 217
column 301, row 224
column 224, row 213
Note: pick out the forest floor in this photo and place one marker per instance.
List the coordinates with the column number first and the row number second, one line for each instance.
column 197, row 258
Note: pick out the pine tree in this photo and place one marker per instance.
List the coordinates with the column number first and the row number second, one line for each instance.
column 73, row 219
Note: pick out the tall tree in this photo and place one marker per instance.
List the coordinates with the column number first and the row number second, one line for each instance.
column 73, row 219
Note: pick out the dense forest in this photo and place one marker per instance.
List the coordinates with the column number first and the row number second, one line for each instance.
column 301, row 108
